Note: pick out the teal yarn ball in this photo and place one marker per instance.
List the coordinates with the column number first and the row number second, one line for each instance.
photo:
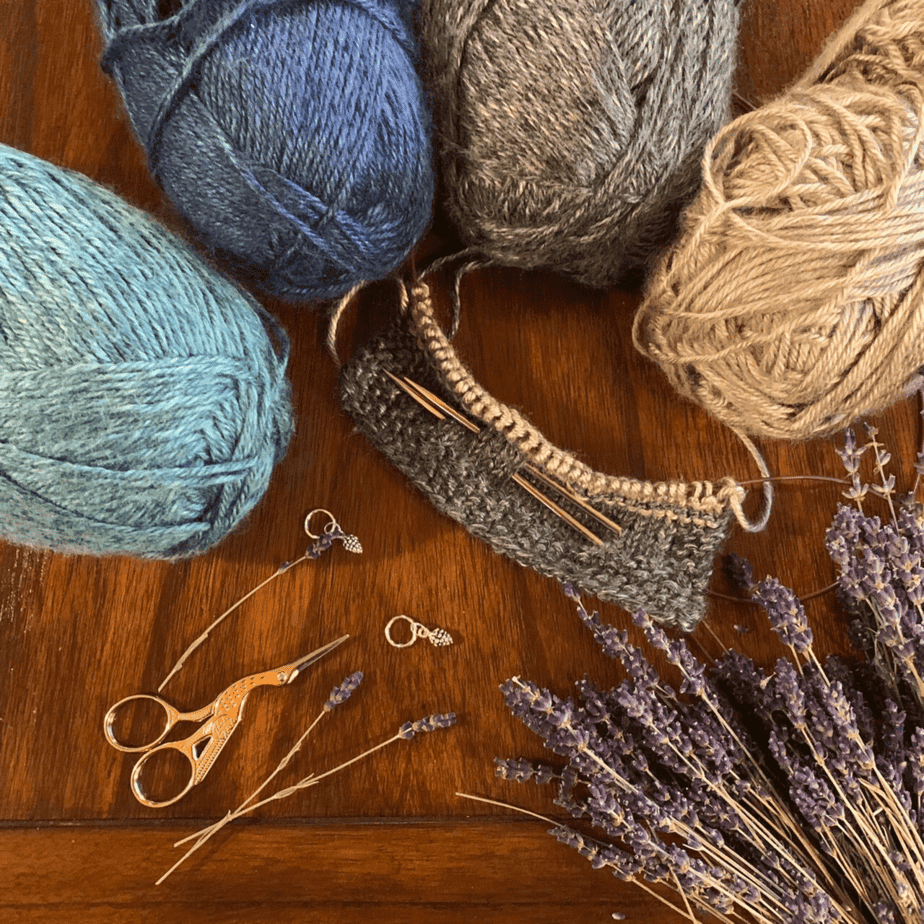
column 143, row 397
column 293, row 135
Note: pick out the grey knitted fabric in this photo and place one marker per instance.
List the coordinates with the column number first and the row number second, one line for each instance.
column 571, row 134
column 662, row 560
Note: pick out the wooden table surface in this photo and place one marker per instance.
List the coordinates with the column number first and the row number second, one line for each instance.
column 387, row 839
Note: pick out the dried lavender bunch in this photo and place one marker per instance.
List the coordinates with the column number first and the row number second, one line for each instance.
column 793, row 796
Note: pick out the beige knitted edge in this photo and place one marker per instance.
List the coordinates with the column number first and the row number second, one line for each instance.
column 654, row 499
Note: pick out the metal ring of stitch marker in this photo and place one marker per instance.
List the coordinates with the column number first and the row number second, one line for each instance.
column 437, row 637
column 417, row 631
column 331, row 525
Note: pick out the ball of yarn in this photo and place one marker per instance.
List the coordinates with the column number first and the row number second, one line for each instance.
column 143, row 399
column 792, row 303
column 571, row 133
column 293, row 136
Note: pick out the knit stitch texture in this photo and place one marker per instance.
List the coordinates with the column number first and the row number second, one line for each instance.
column 662, row 560
column 143, row 399
column 570, row 134
column 292, row 135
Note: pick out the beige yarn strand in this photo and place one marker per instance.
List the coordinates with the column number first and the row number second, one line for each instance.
column 700, row 497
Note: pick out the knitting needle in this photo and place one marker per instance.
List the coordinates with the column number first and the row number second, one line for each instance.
column 410, row 388
column 535, row 472
column 517, row 478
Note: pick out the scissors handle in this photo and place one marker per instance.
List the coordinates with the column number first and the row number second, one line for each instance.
column 136, row 786
column 220, row 718
column 171, row 717
column 201, row 749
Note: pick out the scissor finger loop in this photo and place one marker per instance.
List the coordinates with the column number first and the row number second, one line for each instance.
column 171, row 715
column 139, row 792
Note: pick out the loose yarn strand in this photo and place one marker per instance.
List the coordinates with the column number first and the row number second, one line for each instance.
column 468, row 261
column 735, row 500
column 336, row 316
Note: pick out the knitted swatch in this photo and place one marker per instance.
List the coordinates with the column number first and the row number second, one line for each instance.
column 570, row 133
column 794, row 300
column 293, row 136
column 143, row 400
column 661, row 561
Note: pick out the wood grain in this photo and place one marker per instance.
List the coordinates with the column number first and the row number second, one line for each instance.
column 387, row 840
column 477, row 871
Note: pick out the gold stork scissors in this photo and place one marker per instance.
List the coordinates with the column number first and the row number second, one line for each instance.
column 219, row 719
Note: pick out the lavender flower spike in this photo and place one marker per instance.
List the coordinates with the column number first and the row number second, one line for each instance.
column 851, row 455
column 427, row 723
column 786, row 614
column 340, row 694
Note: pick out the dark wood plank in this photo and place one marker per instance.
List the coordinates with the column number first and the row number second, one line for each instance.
column 458, row 872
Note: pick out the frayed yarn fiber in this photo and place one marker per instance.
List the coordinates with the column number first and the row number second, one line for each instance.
column 293, row 135
column 570, row 134
column 143, row 398
column 793, row 301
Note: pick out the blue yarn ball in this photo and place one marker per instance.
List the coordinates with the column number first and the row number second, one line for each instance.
column 143, row 398
column 292, row 135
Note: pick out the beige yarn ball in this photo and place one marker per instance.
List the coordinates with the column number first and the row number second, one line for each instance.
column 793, row 302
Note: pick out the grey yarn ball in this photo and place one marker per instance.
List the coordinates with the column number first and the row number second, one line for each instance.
column 571, row 134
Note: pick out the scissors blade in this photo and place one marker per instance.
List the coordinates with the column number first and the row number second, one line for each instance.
column 298, row 665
